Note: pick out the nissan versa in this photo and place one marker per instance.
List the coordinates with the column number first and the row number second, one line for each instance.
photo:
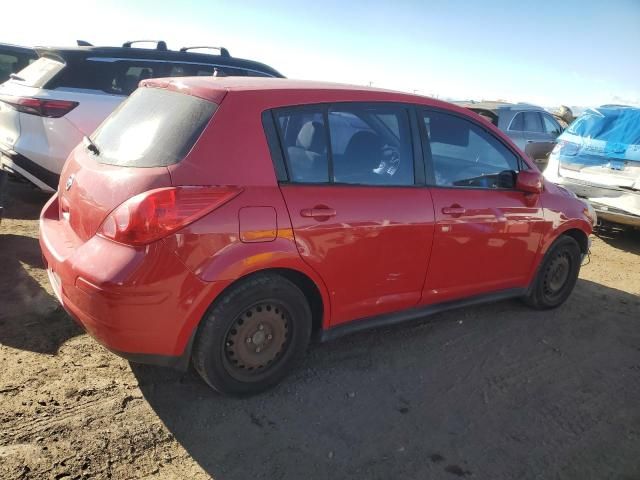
column 223, row 221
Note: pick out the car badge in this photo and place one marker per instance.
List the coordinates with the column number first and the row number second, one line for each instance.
column 69, row 183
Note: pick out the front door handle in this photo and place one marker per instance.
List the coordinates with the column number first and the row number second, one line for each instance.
column 318, row 212
column 454, row 210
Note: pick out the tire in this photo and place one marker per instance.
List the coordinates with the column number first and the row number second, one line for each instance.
column 556, row 276
column 253, row 335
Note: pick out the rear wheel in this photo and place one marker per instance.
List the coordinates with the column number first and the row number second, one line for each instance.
column 557, row 275
column 253, row 335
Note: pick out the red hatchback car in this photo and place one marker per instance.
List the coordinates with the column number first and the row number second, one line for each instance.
column 224, row 221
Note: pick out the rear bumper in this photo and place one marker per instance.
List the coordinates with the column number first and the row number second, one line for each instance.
column 141, row 303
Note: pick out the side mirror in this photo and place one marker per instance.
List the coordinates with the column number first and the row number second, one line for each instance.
column 529, row 181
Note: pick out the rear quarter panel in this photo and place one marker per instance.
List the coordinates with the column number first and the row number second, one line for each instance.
column 233, row 150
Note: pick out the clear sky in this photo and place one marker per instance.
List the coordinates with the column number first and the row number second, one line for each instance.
column 573, row 52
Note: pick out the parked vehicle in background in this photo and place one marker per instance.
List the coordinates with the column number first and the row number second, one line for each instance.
column 47, row 108
column 298, row 208
column 532, row 129
column 598, row 158
column 14, row 58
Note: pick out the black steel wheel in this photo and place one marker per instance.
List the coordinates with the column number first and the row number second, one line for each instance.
column 557, row 275
column 256, row 339
column 253, row 335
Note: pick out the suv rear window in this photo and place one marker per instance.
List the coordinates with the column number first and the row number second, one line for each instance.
column 152, row 128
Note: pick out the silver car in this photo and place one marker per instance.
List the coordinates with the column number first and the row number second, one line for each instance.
column 533, row 129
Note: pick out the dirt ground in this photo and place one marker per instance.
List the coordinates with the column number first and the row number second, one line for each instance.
column 492, row 392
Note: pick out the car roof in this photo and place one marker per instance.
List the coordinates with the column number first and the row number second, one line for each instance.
column 17, row 48
column 177, row 56
column 297, row 91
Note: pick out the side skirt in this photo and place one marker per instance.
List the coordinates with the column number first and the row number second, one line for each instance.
column 411, row 314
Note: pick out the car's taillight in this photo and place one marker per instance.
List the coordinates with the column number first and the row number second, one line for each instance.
column 564, row 147
column 42, row 107
column 152, row 215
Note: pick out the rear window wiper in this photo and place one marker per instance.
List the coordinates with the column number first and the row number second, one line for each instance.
column 89, row 145
column 15, row 76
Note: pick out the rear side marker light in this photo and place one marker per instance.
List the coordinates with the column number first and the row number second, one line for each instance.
column 40, row 106
column 155, row 214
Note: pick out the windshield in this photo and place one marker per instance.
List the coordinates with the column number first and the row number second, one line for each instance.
column 617, row 125
column 152, row 128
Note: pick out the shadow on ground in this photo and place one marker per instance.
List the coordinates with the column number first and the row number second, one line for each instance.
column 497, row 391
column 30, row 317
column 23, row 201
column 626, row 240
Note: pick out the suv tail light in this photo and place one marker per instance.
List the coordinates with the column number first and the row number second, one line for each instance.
column 40, row 106
column 153, row 215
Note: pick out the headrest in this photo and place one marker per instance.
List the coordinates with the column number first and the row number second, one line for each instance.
column 312, row 137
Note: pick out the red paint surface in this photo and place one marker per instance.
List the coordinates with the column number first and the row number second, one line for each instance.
column 378, row 250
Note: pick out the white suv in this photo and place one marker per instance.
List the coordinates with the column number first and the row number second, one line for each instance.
column 48, row 107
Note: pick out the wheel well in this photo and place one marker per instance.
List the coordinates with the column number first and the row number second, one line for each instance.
column 580, row 237
column 304, row 283
column 310, row 291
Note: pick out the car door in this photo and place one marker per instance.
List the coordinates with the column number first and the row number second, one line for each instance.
column 538, row 142
column 552, row 130
column 487, row 233
column 359, row 219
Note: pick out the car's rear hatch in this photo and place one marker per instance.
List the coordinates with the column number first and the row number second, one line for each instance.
column 129, row 154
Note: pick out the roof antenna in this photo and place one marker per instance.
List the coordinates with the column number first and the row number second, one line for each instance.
column 83, row 43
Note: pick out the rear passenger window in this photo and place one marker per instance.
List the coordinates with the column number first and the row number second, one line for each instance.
column 203, row 70
column 304, row 140
column 369, row 144
column 465, row 155
column 517, row 124
column 532, row 122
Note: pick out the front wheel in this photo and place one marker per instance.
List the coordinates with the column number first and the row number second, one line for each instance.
column 253, row 335
column 557, row 275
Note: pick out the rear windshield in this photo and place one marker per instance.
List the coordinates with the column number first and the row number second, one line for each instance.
column 39, row 72
column 610, row 125
column 152, row 128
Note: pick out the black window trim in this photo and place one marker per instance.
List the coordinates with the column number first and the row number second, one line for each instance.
column 428, row 161
column 324, row 108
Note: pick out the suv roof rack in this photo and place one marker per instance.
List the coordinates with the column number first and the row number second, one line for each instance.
column 160, row 44
column 223, row 51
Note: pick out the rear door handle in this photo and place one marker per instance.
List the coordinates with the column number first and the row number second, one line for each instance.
column 455, row 210
column 318, row 212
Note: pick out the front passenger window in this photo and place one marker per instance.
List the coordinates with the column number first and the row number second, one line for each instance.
column 465, row 155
